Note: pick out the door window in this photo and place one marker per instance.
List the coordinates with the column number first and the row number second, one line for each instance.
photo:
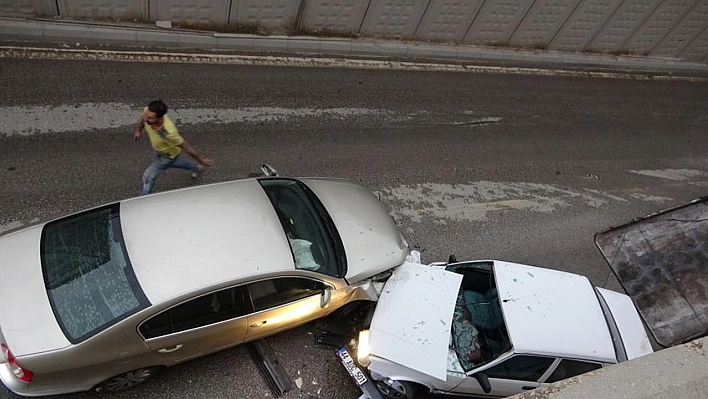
column 570, row 368
column 523, row 368
column 201, row 311
column 275, row 292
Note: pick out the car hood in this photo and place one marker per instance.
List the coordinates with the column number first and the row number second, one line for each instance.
column 371, row 238
column 26, row 319
column 412, row 321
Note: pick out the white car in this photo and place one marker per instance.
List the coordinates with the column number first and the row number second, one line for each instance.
column 491, row 328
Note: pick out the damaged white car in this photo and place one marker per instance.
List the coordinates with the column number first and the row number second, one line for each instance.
column 490, row 328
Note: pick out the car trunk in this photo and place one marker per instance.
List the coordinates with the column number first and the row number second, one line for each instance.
column 661, row 260
column 26, row 319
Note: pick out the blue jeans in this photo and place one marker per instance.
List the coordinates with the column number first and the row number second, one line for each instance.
column 159, row 165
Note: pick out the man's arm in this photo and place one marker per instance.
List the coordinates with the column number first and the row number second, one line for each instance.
column 194, row 154
column 138, row 130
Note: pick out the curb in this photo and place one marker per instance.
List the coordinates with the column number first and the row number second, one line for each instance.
column 138, row 35
column 319, row 62
column 677, row 372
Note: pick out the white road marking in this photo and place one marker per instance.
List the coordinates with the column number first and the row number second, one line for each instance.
column 318, row 62
column 32, row 120
column 475, row 201
column 695, row 177
column 649, row 198
column 480, row 121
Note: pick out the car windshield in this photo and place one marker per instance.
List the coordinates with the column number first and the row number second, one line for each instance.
column 313, row 239
column 87, row 273
column 478, row 329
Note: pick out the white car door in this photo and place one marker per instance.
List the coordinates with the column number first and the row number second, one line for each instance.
column 514, row 375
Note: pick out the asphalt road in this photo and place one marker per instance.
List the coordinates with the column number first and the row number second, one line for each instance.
column 519, row 168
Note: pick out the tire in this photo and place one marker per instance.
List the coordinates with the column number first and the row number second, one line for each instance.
column 398, row 389
column 127, row 380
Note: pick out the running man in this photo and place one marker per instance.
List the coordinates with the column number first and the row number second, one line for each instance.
column 168, row 145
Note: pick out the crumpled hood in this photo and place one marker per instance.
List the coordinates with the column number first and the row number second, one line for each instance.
column 372, row 241
column 412, row 321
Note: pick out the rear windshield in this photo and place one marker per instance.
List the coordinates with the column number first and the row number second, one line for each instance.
column 88, row 276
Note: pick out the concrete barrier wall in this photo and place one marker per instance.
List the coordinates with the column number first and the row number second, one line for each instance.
column 664, row 28
column 42, row 8
column 99, row 9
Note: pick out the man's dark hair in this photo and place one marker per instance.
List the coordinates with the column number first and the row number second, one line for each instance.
column 158, row 107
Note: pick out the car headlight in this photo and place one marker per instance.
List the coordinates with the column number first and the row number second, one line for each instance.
column 363, row 350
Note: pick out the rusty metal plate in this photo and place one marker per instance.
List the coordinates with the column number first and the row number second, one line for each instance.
column 661, row 260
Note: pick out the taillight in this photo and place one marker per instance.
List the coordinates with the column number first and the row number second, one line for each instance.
column 20, row 372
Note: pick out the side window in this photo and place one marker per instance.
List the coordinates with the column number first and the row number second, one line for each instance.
column 156, row 326
column 275, row 292
column 524, row 368
column 570, row 368
column 201, row 311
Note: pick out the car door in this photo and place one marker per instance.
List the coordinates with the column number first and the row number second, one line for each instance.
column 283, row 303
column 513, row 375
column 199, row 326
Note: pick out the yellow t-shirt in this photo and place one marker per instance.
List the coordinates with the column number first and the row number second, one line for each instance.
column 166, row 139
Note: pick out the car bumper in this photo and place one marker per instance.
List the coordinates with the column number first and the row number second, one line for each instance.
column 359, row 375
column 32, row 388
column 12, row 383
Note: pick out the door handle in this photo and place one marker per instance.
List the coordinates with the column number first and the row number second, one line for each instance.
column 527, row 388
column 259, row 324
column 172, row 349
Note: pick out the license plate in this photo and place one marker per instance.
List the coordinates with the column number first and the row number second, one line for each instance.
column 351, row 367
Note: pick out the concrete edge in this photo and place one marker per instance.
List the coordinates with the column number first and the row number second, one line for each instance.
column 103, row 33
column 677, row 372
column 151, row 55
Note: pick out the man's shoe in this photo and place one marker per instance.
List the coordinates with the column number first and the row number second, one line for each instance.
column 200, row 169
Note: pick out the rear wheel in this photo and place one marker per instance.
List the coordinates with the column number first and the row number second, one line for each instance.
column 398, row 389
column 127, row 380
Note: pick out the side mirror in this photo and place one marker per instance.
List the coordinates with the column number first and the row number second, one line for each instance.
column 326, row 296
column 483, row 381
column 268, row 170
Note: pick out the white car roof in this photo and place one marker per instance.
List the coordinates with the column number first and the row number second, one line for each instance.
column 550, row 312
column 180, row 241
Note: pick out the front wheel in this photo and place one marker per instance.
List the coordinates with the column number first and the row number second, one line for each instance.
column 127, row 380
column 397, row 389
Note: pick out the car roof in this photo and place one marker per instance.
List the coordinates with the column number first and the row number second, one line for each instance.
column 184, row 240
column 550, row 312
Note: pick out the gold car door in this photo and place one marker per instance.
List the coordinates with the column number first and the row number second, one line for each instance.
column 283, row 303
column 199, row 326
